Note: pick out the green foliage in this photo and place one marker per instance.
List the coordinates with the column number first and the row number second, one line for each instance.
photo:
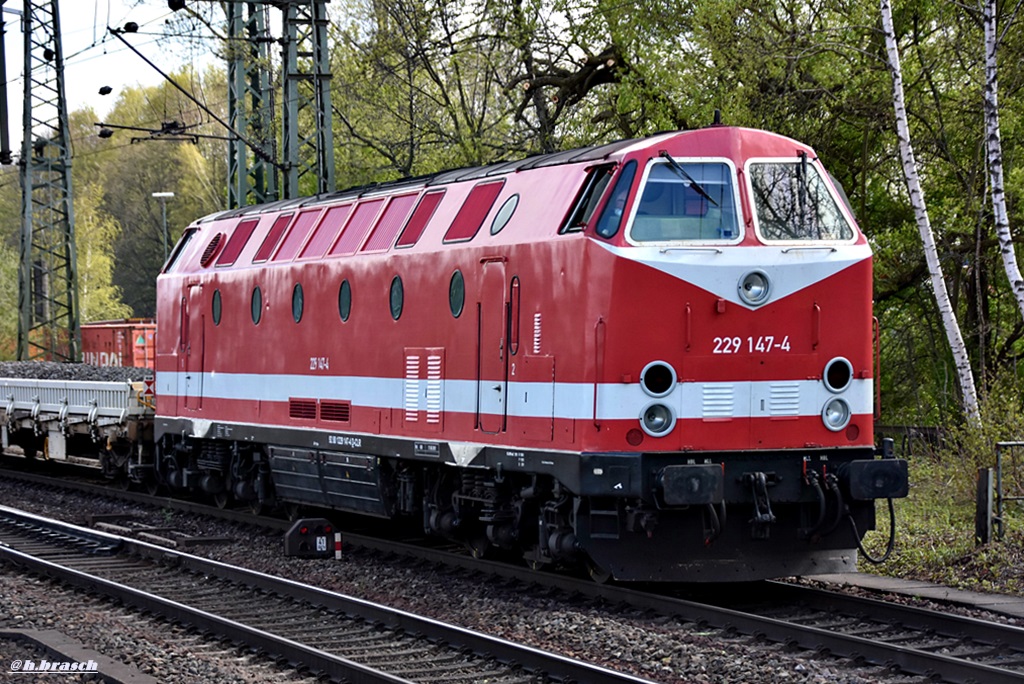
column 125, row 175
column 8, row 302
column 95, row 233
column 935, row 524
column 10, row 233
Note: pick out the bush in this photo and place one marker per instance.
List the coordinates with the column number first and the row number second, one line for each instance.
column 935, row 525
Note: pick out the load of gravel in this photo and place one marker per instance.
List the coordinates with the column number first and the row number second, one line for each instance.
column 49, row 370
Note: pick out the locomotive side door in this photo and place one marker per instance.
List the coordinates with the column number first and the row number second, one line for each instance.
column 492, row 378
column 191, row 352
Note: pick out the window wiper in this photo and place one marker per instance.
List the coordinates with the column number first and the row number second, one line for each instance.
column 687, row 177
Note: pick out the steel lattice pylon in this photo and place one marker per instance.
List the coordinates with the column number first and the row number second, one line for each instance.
column 307, row 148
column 251, row 179
column 307, row 93
column 48, row 322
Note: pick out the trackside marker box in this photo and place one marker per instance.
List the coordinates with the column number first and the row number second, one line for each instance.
column 312, row 538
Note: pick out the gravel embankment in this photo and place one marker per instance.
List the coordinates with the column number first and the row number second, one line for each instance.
column 49, row 370
column 657, row 648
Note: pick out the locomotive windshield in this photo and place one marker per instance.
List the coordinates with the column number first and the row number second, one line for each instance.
column 686, row 201
column 793, row 202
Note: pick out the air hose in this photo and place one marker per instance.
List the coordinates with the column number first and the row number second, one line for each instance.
column 892, row 537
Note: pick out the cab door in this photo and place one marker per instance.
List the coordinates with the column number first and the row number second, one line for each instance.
column 191, row 352
column 492, row 360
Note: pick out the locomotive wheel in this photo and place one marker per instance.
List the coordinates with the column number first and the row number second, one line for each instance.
column 256, row 507
column 597, row 573
column 152, row 486
column 221, row 500
column 292, row 511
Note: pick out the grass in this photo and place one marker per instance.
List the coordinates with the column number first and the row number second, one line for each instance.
column 935, row 536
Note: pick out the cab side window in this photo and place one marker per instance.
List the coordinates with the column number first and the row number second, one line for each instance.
column 588, row 198
column 611, row 216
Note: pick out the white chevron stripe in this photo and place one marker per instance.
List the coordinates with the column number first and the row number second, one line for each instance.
column 791, row 268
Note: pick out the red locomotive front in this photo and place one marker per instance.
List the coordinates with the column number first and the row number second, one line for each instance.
column 654, row 355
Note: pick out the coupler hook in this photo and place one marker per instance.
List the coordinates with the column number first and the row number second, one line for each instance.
column 763, row 516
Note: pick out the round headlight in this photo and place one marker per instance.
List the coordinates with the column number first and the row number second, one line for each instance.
column 658, row 378
column 657, row 420
column 754, row 288
column 836, row 414
column 838, row 374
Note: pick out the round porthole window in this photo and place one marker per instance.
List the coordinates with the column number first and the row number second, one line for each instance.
column 215, row 307
column 397, row 297
column 297, row 302
column 257, row 305
column 457, row 294
column 504, row 214
column 345, row 300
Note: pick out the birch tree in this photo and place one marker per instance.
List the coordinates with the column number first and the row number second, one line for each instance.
column 994, row 147
column 931, row 253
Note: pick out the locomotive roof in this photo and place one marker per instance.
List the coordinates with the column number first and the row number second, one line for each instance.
column 574, row 156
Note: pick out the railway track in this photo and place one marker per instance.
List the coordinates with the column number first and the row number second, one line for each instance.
column 914, row 641
column 955, row 648
column 340, row 637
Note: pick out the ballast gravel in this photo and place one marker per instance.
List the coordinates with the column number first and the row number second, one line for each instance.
column 50, row 370
column 656, row 648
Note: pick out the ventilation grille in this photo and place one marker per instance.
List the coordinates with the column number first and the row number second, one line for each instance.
column 718, row 400
column 536, row 332
column 784, row 399
column 434, row 380
column 304, row 409
column 423, row 391
column 336, row 411
column 211, row 249
column 412, row 388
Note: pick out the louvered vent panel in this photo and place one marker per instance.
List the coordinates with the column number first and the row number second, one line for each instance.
column 211, row 250
column 784, row 399
column 412, row 387
column 434, row 395
column 302, row 408
column 718, row 400
column 335, row 411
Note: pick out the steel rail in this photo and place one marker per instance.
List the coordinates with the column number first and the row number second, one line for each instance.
column 550, row 665
column 908, row 659
column 954, row 626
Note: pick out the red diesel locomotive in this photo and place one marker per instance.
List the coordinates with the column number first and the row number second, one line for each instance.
column 655, row 356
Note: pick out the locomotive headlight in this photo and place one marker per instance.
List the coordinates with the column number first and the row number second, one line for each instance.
column 658, row 379
column 754, row 288
column 836, row 414
column 838, row 375
column 657, row 419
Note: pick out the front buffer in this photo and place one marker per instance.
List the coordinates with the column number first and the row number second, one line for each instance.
column 728, row 517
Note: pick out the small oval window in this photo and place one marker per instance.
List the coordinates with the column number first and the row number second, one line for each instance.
column 257, row 305
column 504, row 214
column 297, row 302
column 215, row 308
column 397, row 297
column 345, row 300
column 457, row 293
